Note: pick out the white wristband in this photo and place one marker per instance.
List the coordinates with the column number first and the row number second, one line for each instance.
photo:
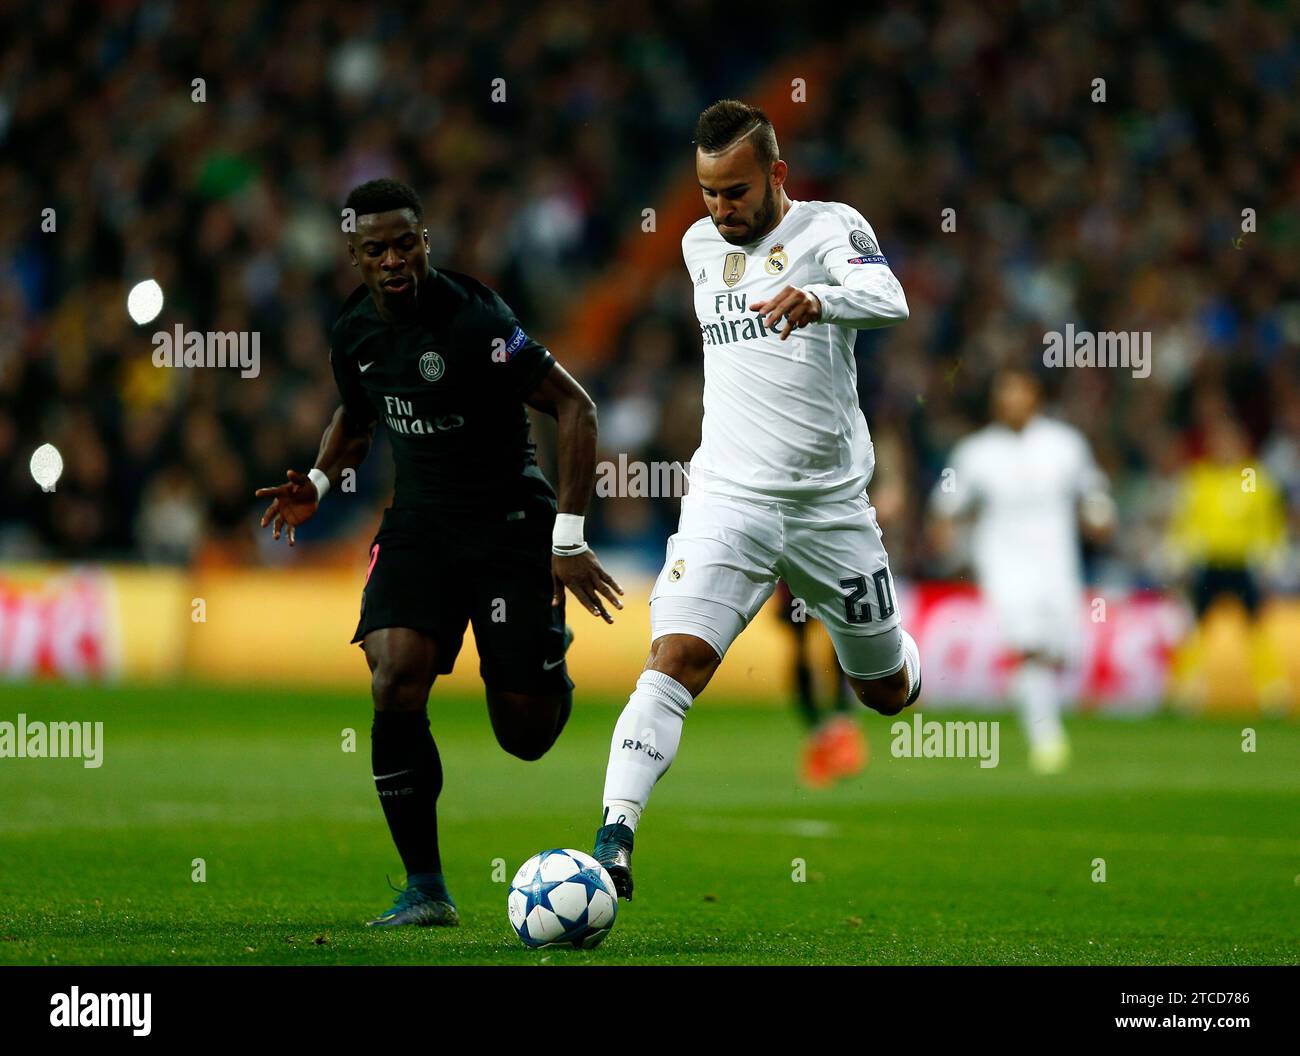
column 322, row 482
column 566, row 539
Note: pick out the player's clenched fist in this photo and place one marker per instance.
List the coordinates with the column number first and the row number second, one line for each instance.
column 797, row 307
column 583, row 575
column 291, row 503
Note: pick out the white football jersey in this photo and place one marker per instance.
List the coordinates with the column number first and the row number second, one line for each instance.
column 781, row 418
column 1023, row 489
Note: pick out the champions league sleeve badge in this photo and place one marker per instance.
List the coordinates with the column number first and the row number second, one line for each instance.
column 863, row 243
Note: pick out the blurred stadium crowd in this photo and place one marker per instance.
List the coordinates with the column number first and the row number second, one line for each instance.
column 1117, row 215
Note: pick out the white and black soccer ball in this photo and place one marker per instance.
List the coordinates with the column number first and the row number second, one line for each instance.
column 562, row 898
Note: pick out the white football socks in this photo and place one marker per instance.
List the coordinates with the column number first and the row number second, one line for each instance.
column 1039, row 699
column 644, row 744
column 911, row 662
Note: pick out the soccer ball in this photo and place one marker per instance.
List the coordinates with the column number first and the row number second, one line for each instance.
column 562, row 898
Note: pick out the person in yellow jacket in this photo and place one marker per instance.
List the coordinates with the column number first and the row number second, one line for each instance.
column 1229, row 525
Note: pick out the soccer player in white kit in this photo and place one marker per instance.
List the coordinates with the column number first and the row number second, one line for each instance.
column 778, row 485
column 1028, row 481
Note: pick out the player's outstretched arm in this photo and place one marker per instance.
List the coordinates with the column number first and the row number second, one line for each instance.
column 573, row 563
column 344, row 445
column 864, row 301
column 860, row 292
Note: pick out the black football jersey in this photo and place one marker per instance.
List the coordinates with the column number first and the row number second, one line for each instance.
column 449, row 387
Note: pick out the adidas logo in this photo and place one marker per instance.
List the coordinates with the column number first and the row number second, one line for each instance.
column 701, row 278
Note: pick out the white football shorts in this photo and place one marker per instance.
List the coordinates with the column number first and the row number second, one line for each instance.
column 728, row 553
column 1040, row 613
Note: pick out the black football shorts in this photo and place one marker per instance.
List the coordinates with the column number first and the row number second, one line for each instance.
column 435, row 574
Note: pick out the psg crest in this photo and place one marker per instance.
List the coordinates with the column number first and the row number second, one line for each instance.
column 431, row 366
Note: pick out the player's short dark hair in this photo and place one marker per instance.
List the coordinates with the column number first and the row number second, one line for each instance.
column 1011, row 368
column 729, row 120
column 1018, row 370
column 382, row 196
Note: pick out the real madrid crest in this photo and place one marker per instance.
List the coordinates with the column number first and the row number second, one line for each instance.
column 431, row 366
column 678, row 569
column 733, row 268
column 777, row 261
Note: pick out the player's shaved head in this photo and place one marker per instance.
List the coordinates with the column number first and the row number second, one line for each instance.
column 728, row 123
column 739, row 170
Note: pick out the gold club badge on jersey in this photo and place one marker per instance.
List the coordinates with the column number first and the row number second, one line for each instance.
column 777, row 261
column 678, row 570
column 733, row 268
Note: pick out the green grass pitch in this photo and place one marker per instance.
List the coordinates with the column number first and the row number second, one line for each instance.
column 918, row 861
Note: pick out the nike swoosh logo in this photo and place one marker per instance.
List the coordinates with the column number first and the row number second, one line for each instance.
column 395, row 773
column 552, row 665
column 363, row 367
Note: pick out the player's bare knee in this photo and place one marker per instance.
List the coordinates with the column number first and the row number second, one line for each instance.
column 528, row 749
column 887, row 695
column 525, row 745
column 401, row 669
column 684, row 658
column 528, row 742
column 525, row 726
column 398, row 684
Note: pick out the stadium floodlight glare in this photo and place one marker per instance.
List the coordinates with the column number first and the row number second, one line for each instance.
column 145, row 301
column 47, row 466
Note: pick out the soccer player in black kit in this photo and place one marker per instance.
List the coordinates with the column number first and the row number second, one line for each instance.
column 472, row 535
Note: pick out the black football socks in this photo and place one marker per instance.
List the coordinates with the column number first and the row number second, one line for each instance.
column 408, row 778
column 805, row 698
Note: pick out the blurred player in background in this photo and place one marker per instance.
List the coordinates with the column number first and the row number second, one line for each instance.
column 778, row 485
column 1027, row 482
column 472, row 536
column 836, row 746
column 1229, row 526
